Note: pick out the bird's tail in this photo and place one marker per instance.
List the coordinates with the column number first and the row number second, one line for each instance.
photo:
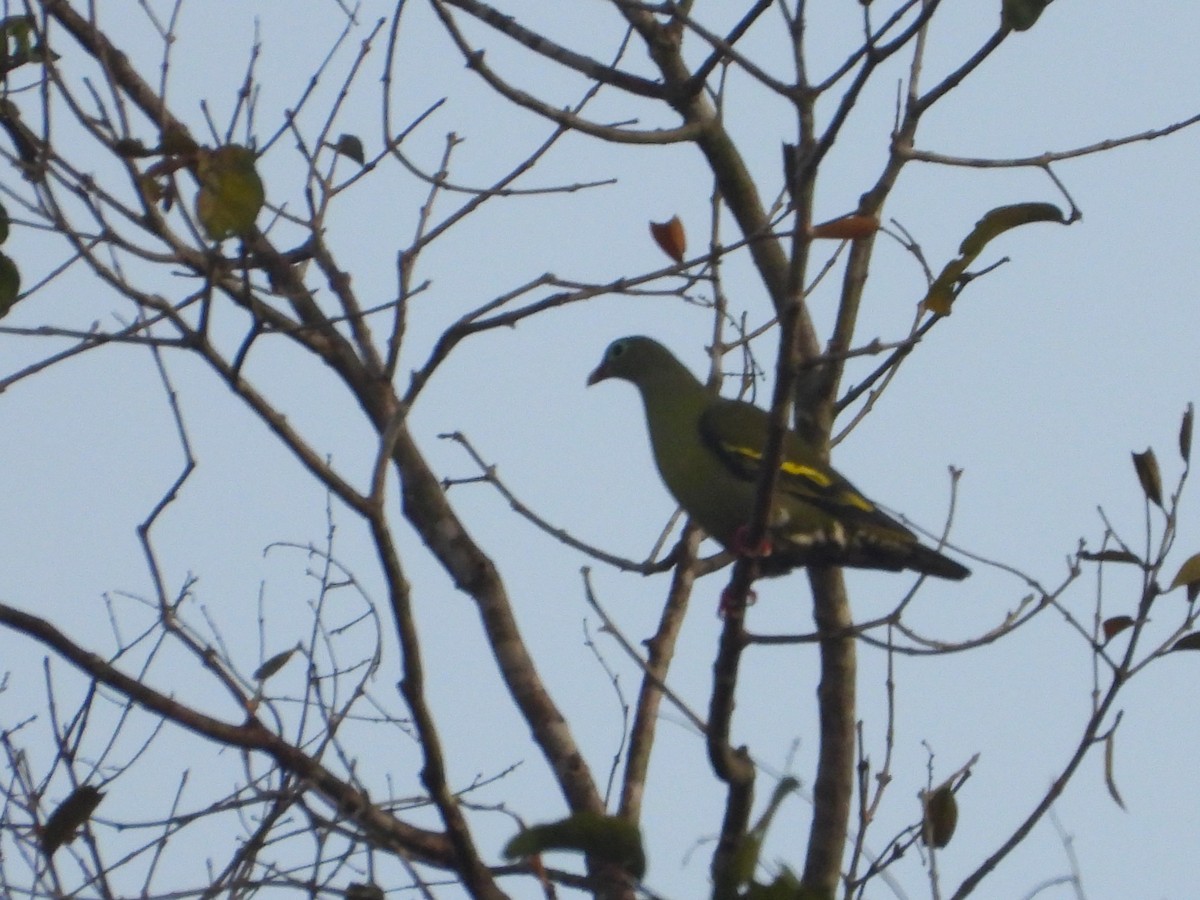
column 928, row 561
column 860, row 551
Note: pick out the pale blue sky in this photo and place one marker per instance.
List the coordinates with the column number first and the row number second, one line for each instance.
column 1049, row 372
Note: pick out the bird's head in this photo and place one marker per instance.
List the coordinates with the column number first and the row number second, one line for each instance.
column 633, row 359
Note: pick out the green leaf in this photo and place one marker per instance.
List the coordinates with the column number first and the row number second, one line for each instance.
column 363, row 891
column 175, row 141
column 1146, row 466
column 351, row 146
column 1185, row 434
column 745, row 860
column 10, row 284
column 1110, row 780
column 940, row 816
column 17, row 29
column 1020, row 15
column 786, row 886
column 273, row 665
column 1111, row 556
column 231, row 193
column 608, row 838
column 70, row 816
column 994, row 223
column 1188, row 642
column 17, row 34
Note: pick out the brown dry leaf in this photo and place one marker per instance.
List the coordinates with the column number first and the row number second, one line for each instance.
column 1146, row 465
column 1115, row 625
column 670, row 237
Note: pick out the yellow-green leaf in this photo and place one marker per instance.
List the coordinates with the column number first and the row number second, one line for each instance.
column 786, row 886
column 995, row 222
column 70, row 816
column 745, row 860
column 10, row 284
column 150, row 189
column 1020, row 15
column 1189, row 572
column 1003, row 218
column 17, row 34
column 1146, row 466
column 19, row 30
column 231, row 193
column 608, row 838
column 941, row 816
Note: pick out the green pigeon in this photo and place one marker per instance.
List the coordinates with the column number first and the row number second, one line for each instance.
column 709, row 452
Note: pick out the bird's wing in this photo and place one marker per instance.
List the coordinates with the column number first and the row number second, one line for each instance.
column 737, row 433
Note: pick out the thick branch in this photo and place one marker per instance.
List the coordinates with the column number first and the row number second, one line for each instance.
column 426, row 507
column 834, row 785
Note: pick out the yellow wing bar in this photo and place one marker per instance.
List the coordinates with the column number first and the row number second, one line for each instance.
column 842, row 493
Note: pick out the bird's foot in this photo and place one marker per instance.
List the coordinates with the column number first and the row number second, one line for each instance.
column 729, row 601
column 742, row 546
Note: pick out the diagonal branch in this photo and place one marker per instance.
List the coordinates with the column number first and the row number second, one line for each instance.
column 429, row 846
column 543, row 46
column 563, row 117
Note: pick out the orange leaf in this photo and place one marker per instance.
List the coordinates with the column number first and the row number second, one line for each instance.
column 847, row 228
column 670, row 237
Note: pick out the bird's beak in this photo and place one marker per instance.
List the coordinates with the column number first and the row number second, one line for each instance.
column 599, row 374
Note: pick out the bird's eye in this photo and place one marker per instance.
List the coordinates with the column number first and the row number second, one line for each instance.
column 617, row 349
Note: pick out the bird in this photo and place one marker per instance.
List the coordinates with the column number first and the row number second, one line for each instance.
column 709, row 452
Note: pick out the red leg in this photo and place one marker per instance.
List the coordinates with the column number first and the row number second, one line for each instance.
column 740, row 544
